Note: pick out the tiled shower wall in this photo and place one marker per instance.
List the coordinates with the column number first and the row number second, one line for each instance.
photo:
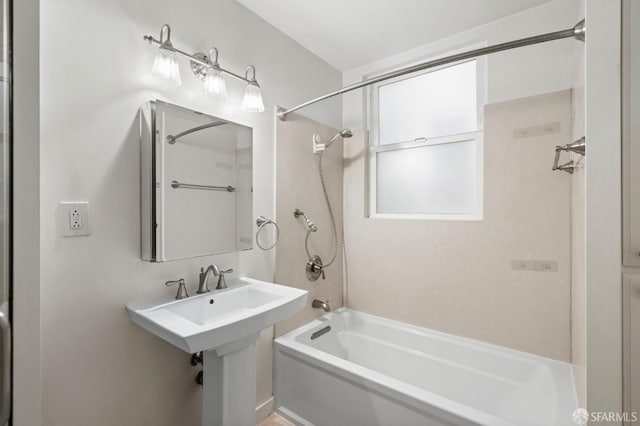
column 456, row 277
column 298, row 186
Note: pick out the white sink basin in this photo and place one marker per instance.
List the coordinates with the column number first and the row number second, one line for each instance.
column 221, row 318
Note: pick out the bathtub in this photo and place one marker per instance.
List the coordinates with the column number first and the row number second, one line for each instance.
column 367, row 370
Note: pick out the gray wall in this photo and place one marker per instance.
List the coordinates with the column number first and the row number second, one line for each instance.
column 99, row 368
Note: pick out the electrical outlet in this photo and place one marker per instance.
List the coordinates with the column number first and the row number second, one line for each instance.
column 74, row 218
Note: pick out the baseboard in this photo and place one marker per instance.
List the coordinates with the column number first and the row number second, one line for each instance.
column 264, row 410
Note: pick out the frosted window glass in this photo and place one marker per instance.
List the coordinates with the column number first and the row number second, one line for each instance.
column 434, row 179
column 437, row 103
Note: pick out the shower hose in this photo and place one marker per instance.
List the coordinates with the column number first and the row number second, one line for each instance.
column 334, row 227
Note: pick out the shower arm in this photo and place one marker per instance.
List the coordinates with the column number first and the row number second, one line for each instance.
column 578, row 32
column 312, row 227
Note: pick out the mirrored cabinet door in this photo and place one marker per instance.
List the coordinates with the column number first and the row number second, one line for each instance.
column 196, row 177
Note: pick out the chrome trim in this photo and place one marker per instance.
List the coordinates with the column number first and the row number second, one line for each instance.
column 578, row 32
column 312, row 227
column 182, row 290
column 176, row 185
column 203, row 286
column 577, row 147
column 222, row 283
column 314, row 269
column 262, row 222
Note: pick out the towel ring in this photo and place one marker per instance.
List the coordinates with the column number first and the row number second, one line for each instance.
column 262, row 222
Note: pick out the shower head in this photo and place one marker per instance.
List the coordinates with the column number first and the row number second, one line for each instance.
column 344, row 133
column 318, row 146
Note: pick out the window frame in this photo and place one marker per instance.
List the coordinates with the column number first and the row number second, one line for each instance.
column 374, row 147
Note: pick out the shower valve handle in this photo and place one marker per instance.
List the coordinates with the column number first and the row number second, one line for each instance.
column 318, row 268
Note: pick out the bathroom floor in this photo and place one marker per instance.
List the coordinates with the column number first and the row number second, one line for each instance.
column 275, row 420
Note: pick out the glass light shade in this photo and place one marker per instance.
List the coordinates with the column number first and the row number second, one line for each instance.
column 214, row 84
column 252, row 101
column 166, row 66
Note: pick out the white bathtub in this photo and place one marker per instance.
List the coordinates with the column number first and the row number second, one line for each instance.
column 371, row 371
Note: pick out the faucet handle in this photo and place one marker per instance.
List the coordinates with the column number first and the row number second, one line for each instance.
column 182, row 289
column 318, row 267
column 222, row 283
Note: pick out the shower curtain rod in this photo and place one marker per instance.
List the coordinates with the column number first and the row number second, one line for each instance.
column 578, row 32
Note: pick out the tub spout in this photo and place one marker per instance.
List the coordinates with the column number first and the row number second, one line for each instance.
column 321, row 304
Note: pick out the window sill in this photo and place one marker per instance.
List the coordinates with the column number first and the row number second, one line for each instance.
column 430, row 217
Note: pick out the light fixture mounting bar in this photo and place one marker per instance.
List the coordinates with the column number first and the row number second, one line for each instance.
column 193, row 58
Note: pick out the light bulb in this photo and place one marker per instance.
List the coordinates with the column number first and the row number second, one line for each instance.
column 214, row 83
column 166, row 66
column 252, row 101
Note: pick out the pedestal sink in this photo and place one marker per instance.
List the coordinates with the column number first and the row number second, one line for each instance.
column 225, row 325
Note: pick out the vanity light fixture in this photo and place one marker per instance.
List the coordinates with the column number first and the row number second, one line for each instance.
column 252, row 101
column 213, row 82
column 165, row 64
column 206, row 68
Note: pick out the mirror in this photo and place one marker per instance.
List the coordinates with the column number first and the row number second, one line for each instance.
column 196, row 183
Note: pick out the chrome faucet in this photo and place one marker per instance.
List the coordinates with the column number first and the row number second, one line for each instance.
column 321, row 304
column 203, row 286
column 204, row 278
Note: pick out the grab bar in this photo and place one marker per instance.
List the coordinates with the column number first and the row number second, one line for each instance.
column 175, row 184
column 320, row 332
column 578, row 147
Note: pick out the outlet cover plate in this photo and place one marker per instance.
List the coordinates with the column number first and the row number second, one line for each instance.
column 69, row 210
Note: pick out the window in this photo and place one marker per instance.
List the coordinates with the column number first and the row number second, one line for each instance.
column 426, row 148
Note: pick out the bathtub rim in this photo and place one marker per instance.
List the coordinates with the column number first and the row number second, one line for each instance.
column 390, row 387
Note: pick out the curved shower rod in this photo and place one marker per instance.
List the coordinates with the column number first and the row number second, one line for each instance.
column 578, row 32
column 171, row 139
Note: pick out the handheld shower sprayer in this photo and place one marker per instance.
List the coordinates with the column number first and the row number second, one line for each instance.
column 312, row 226
column 315, row 267
column 319, row 146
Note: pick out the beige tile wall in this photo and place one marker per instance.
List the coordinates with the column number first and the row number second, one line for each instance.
column 298, row 186
column 456, row 276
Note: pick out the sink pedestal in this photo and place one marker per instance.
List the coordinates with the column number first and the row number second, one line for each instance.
column 225, row 325
column 229, row 386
